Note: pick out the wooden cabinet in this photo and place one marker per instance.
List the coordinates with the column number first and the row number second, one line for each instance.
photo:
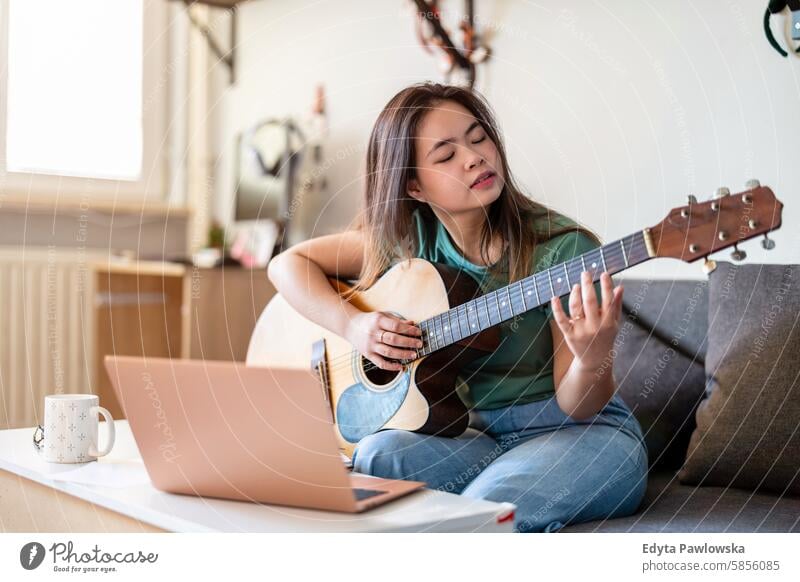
column 171, row 310
column 225, row 305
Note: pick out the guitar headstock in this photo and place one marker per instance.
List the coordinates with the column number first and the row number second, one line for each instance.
column 702, row 228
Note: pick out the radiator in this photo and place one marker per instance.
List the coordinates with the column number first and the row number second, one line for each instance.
column 46, row 329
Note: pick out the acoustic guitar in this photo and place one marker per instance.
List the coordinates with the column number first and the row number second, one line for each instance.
column 459, row 323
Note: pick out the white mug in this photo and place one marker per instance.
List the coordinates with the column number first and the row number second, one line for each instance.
column 70, row 428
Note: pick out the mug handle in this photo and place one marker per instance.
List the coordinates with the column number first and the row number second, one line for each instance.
column 38, row 438
column 111, row 431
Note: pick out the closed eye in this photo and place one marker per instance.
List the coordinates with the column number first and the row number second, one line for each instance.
column 450, row 157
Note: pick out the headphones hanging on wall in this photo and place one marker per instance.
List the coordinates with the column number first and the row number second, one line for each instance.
column 774, row 7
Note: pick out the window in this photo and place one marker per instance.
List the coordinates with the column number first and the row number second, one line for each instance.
column 83, row 98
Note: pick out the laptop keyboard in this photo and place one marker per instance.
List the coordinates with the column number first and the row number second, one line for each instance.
column 362, row 494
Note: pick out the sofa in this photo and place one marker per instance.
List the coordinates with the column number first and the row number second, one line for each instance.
column 663, row 373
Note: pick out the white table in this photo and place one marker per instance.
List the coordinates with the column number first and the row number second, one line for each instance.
column 121, row 498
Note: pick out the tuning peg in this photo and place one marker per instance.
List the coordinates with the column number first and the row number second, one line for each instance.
column 709, row 265
column 721, row 191
column 768, row 243
column 691, row 199
column 738, row 255
column 750, row 184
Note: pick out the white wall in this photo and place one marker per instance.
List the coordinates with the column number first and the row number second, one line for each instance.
column 613, row 112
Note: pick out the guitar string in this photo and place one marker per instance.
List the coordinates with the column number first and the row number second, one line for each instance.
column 345, row 360
column 371, row 366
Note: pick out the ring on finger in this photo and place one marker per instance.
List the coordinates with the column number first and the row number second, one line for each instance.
column 383, row 331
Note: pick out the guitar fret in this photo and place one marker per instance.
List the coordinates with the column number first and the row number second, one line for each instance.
column 510, row 304
column 449, row 327
column 566, row 273
column 472, row 321
column 593, row 266
column 522, row 294
column 550, row 278
column 431, row 337
column 633, row 248
column 583, row 263
column 486, row 307
column 576, row 276
column 473, row 327
column 603, row 258
column 624, row 256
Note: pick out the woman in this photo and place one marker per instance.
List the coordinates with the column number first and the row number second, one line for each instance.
column 547, row 430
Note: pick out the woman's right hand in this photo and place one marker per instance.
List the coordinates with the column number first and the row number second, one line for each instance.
column 381, row 337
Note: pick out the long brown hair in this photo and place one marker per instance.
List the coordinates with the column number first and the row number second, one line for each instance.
column 386, row 216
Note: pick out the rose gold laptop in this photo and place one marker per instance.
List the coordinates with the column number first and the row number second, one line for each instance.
column 226, row 430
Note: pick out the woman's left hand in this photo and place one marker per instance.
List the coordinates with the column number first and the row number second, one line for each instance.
column 592, row 328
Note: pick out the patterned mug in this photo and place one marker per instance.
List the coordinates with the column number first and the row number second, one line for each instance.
column 71, row 424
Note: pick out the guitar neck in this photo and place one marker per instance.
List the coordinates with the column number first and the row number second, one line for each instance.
column 531, row 292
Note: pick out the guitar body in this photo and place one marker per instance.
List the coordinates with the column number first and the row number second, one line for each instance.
column 365, row 399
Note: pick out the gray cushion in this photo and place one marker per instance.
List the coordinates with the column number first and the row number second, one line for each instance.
column 677, row 311
column 658, row 365
column 669, row 506
column 748, row 429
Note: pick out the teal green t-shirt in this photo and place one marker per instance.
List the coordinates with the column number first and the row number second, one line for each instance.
column 520, row 370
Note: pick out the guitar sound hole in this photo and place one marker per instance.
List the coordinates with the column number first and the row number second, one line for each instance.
column 376, row 375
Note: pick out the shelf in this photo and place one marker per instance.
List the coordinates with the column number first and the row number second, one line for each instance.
column 228, row 57
column 67, row 204
column 218, row 3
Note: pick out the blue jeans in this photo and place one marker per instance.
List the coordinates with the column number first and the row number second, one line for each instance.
column 556, row 470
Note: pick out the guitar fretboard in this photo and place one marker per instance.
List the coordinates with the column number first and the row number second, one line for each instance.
column 529, row 293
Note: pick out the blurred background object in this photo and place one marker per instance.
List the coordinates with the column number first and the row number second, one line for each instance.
column 270, row 154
